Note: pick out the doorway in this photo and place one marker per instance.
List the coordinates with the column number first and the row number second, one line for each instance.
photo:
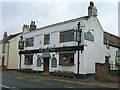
column 46, row 65
column 106, row 59
column 3, row 59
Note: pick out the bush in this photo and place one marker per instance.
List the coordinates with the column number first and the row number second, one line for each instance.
column 27, row 69
column 115, row 72
column 68, row 72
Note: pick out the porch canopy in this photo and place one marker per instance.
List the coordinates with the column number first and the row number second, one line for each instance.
column 45, row 55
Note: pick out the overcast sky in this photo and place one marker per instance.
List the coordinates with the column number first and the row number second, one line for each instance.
column 15, row 14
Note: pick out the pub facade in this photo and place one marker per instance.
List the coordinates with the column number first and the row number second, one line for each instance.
column 55, row 47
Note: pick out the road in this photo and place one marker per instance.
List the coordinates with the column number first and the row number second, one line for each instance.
column 17, row 80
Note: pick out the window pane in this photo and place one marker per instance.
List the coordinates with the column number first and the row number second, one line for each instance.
column 71, row 58
column 65, row 59
column 29, row 42
column 54, row 62
column 67, row 36
column 38, row 62
column 28, row 59
column 47, row 39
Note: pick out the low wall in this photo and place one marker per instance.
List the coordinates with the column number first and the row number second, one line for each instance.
column 102, row 72
column 3, row 68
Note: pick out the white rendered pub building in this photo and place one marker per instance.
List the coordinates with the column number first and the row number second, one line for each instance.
column 54, row 47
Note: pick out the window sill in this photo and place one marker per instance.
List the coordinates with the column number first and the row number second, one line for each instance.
column 67, row 64
column 46, row 43
column 54, row 66
column 29, row 46
column 66, row 41
column 28, row 63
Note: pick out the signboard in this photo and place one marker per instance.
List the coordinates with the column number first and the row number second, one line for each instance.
column 59, row 49
column 89, row 36
column 21, row 45
column 78, row 36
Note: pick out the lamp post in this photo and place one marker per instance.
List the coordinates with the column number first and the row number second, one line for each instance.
column 78, row 39
column 21, row 46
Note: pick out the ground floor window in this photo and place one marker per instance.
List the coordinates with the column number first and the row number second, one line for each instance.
column 38, row 61
column 54, row 62
column 28, row 59
column 66, row 59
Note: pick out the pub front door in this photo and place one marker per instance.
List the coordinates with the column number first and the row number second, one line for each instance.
column 46, row 65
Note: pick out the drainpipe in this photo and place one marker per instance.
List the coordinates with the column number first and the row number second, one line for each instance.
column 8, row 54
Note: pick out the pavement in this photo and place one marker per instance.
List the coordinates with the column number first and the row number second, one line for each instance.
column 90, row 80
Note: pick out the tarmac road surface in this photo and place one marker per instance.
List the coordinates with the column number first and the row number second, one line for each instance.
column 16, row 80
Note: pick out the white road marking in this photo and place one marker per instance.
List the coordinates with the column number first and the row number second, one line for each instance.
column 4, row 86
column 10, row 87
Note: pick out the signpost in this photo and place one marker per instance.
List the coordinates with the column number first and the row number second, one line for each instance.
column 78, row 39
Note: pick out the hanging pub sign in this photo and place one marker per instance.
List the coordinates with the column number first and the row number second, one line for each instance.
column 89, row 36
column 78, row 36
column 21, row 45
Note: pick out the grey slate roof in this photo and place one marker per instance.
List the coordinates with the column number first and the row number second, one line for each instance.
column 113, row 39
column 8, row 38
column 72, row 20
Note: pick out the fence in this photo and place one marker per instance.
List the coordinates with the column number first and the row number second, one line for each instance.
column 114, row 67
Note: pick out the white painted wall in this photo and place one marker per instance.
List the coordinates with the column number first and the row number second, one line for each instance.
column 94, row 51
column 13, row 53
column 5, row 55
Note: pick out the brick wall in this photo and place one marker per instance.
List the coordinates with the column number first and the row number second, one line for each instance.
column 103, row 73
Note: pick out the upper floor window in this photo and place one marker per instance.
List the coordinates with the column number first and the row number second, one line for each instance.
column 66, row 59
column 47, row 39
column 29, row 42
column 66, row 36
column 3, row 48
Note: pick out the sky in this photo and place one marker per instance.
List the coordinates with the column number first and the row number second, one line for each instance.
column 119, row 18
column 16, row 13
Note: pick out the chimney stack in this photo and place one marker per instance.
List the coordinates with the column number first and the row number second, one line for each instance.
column 5, row 35
column 92, row 11
column 25, row 28
column 32, row 26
